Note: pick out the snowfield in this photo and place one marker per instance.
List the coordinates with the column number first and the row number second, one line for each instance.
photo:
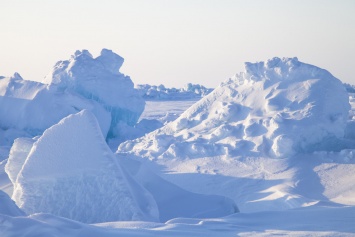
column 271, row 151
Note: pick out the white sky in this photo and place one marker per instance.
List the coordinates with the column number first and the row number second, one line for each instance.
column 173, row 42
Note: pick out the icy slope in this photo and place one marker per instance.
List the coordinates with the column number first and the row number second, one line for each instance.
column 276, row 108
column 70, row 172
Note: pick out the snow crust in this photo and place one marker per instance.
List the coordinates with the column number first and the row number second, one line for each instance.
column 276, row 108
column 71, row 172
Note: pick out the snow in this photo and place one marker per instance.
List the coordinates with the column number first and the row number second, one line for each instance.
column 82, row 82
column 276, row 108
column 8, row 207
column 310, row 221
column 71, row 172
column 158, row 93
column 174, row 201
column 99, row 79
column 269, row 152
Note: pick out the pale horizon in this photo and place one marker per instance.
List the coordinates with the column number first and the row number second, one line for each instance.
column 177, row 42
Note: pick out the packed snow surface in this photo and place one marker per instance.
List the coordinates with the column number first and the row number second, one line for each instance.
column 71, row 172
column 276, row 108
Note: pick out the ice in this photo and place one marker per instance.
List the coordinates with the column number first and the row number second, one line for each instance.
column 161, row 93
column 71, row 172
column 276, row 108
column 27, row 108
column 224, row 152
column 99, row 79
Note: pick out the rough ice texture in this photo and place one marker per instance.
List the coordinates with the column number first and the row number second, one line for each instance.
column 99, row 79
column 275, row 108
column 83, row 82
column 32, row 107
column 188, row 92
column 71, row 172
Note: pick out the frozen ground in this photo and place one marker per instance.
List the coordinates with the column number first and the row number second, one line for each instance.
column 255, row 144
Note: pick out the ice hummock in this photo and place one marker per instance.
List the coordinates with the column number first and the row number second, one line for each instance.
column 275, row 108
column 99, row 79
column 188, row 92
column 71, row 172
column 27, row 108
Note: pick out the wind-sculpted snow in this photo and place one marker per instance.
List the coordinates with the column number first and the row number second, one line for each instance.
column 27, row 108
column 71, row 172
column 276, row 108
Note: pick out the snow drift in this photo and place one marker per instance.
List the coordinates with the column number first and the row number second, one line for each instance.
column 275, row 108
column 71, row 172
column 27, row 108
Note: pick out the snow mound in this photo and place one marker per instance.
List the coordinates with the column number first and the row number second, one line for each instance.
column 99, row 79
column 188, row 92
column 275, row 108
column 71, row 172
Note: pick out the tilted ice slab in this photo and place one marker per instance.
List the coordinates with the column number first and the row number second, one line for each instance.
column 99, row 79
column 71, row 172
column 275, row 108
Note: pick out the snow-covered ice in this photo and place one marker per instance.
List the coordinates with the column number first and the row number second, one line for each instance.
column 274, row 142
column 99, row 79
column 276, row 108
column 27, row 108
column 71, row 172
column 157, row 93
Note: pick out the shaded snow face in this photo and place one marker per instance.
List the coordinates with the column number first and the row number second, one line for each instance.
column 71, row 172
column 276, row 108
column 27, row 108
